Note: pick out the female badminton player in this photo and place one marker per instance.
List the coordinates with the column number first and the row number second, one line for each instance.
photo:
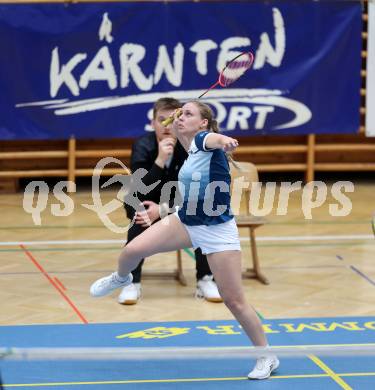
column 204, row 220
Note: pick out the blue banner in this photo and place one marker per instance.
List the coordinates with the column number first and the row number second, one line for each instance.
column 94, row 70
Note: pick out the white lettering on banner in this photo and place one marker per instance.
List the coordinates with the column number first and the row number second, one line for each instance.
column 235, row 108
column 163, row 65
column 100, row 68
column 64, row 76
column 201, row 48
column 265, row 52
column 132, row 54
column 264, row 103
column 238, row 115
column 262, row 112
column 105, row 29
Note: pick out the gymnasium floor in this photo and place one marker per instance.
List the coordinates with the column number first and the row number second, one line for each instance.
column 322, row 291
column 310, row 372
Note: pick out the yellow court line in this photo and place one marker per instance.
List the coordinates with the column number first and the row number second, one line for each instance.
column 359, row 374
column 134, row 381
column 330, row 372
column 121, row 382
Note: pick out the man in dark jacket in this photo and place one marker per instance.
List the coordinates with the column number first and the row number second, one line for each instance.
column 162, row 156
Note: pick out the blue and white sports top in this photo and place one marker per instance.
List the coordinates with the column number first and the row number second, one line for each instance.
column 204, row 184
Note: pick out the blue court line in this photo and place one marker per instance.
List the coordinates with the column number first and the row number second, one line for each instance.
column 360, row 273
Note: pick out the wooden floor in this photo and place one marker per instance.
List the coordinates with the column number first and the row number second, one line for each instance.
column 320, row 267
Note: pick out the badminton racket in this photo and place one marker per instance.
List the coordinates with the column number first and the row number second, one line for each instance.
column 232, row 71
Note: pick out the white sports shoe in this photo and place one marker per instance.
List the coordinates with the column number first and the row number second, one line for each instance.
column 264, row 367
column 106, row 285
column 130, row 294
column 207, row 289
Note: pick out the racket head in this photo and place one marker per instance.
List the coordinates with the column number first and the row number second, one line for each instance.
column 235, row 68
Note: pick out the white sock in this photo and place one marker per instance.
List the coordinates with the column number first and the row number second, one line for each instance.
column 120, row 278
column 266, row 354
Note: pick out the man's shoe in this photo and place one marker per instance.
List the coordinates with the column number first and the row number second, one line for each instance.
column 106, row 285
column 130, row 294
column 264, row 367
column 207, row 289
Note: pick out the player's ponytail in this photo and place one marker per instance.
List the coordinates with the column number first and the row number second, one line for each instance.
column 214, row 126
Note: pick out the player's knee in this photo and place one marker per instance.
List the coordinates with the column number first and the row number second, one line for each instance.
column 132, row 250
column 234, row 302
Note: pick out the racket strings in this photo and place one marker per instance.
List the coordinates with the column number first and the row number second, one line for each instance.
column 235, row 69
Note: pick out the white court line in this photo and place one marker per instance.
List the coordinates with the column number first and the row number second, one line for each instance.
column 265, row 238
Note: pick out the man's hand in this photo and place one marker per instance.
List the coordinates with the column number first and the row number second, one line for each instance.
column 148, row 217
column 166, row 148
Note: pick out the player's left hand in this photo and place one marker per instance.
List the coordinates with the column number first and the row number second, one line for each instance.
column 229, row 143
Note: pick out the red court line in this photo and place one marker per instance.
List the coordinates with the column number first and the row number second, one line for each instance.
column 66, row 298
column 59, row 282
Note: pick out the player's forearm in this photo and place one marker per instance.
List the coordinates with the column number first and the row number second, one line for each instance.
column 214, row 141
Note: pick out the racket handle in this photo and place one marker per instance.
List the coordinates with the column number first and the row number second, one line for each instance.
column 169, row 120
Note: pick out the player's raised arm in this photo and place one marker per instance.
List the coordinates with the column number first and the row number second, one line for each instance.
column 220, row 141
